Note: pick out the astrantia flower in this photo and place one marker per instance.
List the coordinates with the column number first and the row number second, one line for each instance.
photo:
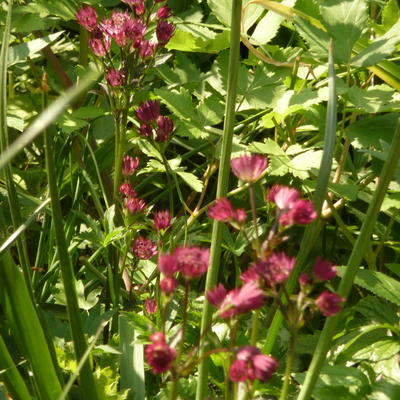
column 239, row 215
column 134, row 29
column 284, row 197
column 127, row 190
column 115, row 77
column 165, row 127
column 150, row 306
column 163, row 12
column 168, row 284
column 133, row 204
column 129, row 165
column 192, row 261
column 329, row 303
column 145, row 130
column 148, row 111
column 115, row 26
column 221, row 210
column 159, row 356
column 249, row 167
column 250, row 275
column 304, row 279
column 146, row 49
column 167, row 264
column 276, row 269
column 87, row 17
column 99, row 43
column 143, row 248
column 251, row 364
column 162, row 220
column 164, row 32
column 302, row 212
column 216, row 295
column 324, row 270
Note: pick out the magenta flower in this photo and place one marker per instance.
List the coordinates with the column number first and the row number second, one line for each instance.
column 164, row 32
column 249, row 167
column 127, row 190
column 323, row 270
column 148, row 111
column 276, row 269
column 145, row 130
column 150, row 306
column 163, row 12
column 302, row 212
column 115, row 27
column 133, row 204
column 99, row 43
column 162, row 220
column 216, row 295
column 221, row 210
column 139, row 8
column 134, row 29
column 115, row 77
column 192, row 261
column 87, row 17
column 159, row 355
column 329, row 303
column 168, row 284
column 165, row 127
column 284, row 197
column 146, row 49
column 167, row 264
column 239, row 215
column 251, row 364
column 250, row 275
column 304, row 279
column 129, row 165
column 143, row 248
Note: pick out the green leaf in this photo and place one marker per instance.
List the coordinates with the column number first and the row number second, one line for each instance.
column 379, row 49
column 390, row 13
column 385, row 389
column 143, row 324
column 379, row 350
column 345, row 20
column 21, row 51
column 376, row 310
column 378, row 283
column 268, row 26
column 192, row 180
column 374, row 99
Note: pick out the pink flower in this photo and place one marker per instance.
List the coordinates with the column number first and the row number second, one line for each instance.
column 87, row 17
column 157, row 337
column 159, row 355
column 329, row 303
column 129, row 165
column 115, row 26
column 146, row 49
column 216, row 295
column 115, row 77
column 192, row 261
column 162, row 220
column 323, row 270
column 127, row 190
column 163, row 12
column 133, row 204
column 139, row 8
column 284, row 197
column 164, row 32
column 165, row 127
column 145, row 130
column 134, row 29
column 143, row 248
column 239, row 215
column 304, row 279
column 168, row 284
column 250, row 364
column 167, row 264
column 302, row 212
column 148, row 111
column 150, row 306
column 276, row 269
column 221, row 210
column 99, row 43
column 249, row 167
column 250, row 275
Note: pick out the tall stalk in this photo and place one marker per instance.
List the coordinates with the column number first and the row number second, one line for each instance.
column 353, row 264
column 222, row 189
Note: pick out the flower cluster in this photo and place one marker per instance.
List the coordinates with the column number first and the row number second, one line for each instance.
column 249, row 167
column 251, row 364
column 153, row 125
column 222, row 210
column 159, row 355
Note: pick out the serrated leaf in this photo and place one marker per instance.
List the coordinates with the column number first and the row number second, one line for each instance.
column 372, row 100
column 106, row 348
column 114, row 235
column 377, row 310
column 268, row 26
column 21, row 51
column 345, row 20
column 379, row 49
column 269, row 147
column 140, row 322
column 379, row 350
column 192, row 180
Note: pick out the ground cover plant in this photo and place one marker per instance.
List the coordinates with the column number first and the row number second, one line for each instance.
column 199, row 199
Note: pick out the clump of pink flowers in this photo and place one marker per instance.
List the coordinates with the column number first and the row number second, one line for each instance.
column 159, row 355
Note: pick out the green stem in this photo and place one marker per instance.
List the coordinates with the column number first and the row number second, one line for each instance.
column 353, row 264
column 173, row 392
column 254, row 327
column 289, row 365
column 254, row 216
column 184, row 317
column 222, row 188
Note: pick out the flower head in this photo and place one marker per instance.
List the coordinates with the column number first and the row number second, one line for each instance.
column 134, row 29
column 276, row 269
column 165, row 127
column 163, row 12
column 159, row 355
column 87, row 17
column 150, row 306
column 115, row 77
column 168, row 284
column 129, row 165
column 329, row 303
column 162, row 220
column 239, row 215
column 216, row 295
column 99, row 43
column 145, row 130
column 192, row 261
column 249, row 167
column 221, row 210
column 164, row 32
column 143, row 248
column 302, row 212
column 127, row 190
column 146, row 48
column 133, row 204
column 304, row 279
column 115, row 26
column 323, row 270
column 284, row 197
column 148, row 111
column 167, row 264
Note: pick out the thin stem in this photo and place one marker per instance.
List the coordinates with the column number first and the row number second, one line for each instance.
column 254, row 215
column 289, row 364
column 184, row 317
